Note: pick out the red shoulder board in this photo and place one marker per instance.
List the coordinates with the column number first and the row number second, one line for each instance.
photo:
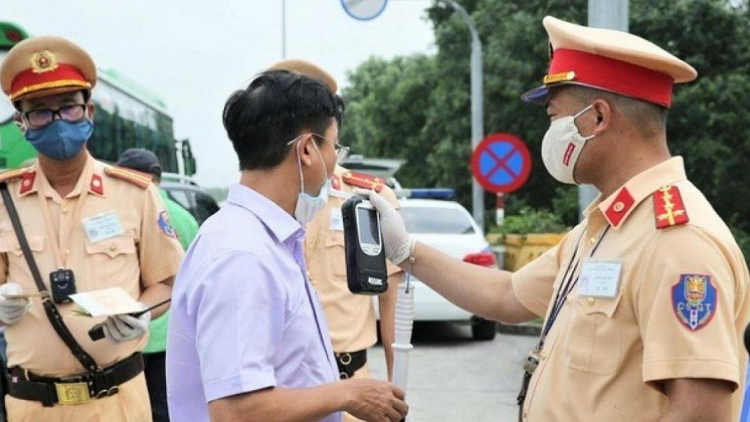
column 16, row 174
column 136, row 178
column 364, row 181
column 668, row 207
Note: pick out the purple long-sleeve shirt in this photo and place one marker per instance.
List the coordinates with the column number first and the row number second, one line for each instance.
column 244, row 317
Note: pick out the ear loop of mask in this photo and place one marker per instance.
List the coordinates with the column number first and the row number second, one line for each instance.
column 299, row 163
column 575, row 116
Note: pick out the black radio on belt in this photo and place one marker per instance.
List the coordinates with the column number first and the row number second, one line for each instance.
column 363, row 244
column 62, row 283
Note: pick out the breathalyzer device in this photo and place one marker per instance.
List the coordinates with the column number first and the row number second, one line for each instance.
column 363, row 243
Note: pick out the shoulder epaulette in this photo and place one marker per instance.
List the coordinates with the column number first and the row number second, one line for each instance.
column 364, row 181
column 668, row 207
column 132, row 176
column 14, row 174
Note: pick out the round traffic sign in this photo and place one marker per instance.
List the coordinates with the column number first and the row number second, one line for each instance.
column 501, row 163
column 364, row 10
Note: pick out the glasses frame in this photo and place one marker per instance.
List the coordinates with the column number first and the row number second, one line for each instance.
column 341, row 151
column 56, row 112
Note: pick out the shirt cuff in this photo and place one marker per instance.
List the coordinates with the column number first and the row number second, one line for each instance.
column 243, row 383
column 526, row 297
column 655, row 371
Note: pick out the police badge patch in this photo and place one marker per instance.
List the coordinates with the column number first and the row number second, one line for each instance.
column 165, row 226
column 694, row 300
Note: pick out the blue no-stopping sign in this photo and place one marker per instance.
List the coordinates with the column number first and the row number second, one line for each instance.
column 501, row 163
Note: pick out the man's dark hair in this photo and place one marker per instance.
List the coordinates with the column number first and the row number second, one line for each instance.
column 274, row 109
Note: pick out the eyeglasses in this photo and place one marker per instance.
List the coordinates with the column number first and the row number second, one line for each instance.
column 69, row 113
column 341, row 151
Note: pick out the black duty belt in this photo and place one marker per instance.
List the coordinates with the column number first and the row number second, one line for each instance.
column 78, row 389
column 350, row 362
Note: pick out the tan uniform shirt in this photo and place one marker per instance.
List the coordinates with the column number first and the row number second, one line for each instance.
column 350, row 317
column 143, row 255
column 604, row 357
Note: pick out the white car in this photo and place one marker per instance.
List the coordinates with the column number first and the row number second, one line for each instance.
column 448, row 227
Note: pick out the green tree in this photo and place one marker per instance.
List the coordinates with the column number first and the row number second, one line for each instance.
column 418, row 108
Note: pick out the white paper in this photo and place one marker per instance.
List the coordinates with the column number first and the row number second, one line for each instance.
column 106, row 302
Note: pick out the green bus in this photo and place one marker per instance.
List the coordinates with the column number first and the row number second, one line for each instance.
column 127, row 116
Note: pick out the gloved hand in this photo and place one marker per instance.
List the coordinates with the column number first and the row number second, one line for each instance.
column 398, row 243
column 11, row 310
column 127, row 327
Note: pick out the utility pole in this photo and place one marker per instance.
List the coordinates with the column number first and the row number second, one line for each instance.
column 477, row 105
column 611, row 14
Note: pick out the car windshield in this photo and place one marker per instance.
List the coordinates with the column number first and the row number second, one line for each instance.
column 436, row 220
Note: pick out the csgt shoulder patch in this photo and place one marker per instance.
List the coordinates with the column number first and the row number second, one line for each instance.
column 694, row 300
column 165, row 226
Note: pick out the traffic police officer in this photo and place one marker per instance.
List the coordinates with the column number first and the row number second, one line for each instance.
column 646, row 299
column 107, row 226
column 351, row 318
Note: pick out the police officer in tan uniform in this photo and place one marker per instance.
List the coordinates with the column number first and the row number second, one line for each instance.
column 103, row 226
column 645, row 301
column 351, row 318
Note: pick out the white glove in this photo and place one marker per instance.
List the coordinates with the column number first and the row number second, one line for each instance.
column 11, row 310
column 398, row 243
column 127, row 327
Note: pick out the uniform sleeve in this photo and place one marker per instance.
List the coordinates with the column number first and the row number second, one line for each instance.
column 234, row 292
column 686, row 307
column 533, row 284
column 160, row 253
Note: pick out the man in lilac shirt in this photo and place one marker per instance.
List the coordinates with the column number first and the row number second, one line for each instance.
column 247, row 337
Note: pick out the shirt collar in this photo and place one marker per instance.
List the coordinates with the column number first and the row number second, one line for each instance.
column 91, row 176
column 617, row 207
column 278, row 221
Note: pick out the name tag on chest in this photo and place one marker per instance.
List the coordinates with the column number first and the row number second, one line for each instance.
column 102, row 226
column 337, row 221
column 600, row 278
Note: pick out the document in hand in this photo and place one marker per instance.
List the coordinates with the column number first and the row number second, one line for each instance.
column 105, row 302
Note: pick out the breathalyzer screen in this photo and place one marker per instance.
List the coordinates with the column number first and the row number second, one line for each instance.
column 368, row 228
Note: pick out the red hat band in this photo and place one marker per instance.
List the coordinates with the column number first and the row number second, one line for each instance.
column 610, row 75
column 30, row 81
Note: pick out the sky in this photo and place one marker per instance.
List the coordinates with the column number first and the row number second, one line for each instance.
column 193, row 54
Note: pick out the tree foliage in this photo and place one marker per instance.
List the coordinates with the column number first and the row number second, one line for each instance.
column 418, row 107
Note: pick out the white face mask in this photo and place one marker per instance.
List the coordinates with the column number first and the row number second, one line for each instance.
column 562, row 146
column 308, row 206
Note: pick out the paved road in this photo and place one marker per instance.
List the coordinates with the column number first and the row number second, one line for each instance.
column 452, row 378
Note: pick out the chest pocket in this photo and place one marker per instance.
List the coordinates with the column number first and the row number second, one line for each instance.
column 113, row 247
column 335, row 252
column 594, row 337
column 9, row 243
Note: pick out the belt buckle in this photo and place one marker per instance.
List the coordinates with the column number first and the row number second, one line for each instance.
column 72, row 393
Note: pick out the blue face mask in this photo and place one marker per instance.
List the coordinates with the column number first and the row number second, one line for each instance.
column 61, row 140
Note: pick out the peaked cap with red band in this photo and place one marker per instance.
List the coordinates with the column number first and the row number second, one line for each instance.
column 609, row 60
column 46, row 65
column 306, row 68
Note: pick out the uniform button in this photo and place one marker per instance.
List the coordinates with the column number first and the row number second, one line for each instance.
column 26, row 183
column 112, row 247
column 592, row 240
column 591, row 301
column 542, row 356
column 619, row 206
column 65, row 210
column 96, row 183
column 18, row 247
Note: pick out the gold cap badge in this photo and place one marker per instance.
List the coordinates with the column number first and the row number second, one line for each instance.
column 43, row 61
